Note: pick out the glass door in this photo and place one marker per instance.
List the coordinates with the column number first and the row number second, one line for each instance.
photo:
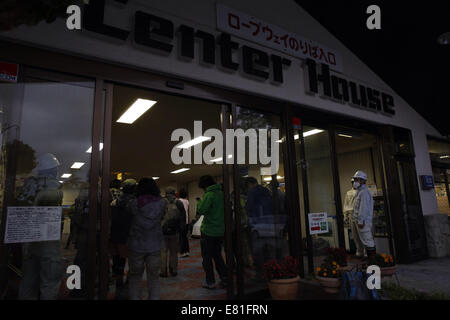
column 47, row 169
column 442, row 189
column 318, row 211
column 177, row 142
column 260, row 215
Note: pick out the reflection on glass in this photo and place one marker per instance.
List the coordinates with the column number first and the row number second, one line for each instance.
column 46, row 127
column 262, row 200
column 320, row 187
column 358, row 150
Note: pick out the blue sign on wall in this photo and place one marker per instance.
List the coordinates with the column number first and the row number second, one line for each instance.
column 427, row 182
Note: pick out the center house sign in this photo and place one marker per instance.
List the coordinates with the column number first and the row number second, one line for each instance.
column 158, row 33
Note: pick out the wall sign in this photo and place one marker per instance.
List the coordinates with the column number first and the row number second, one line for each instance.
column 8, row 72
column 318, row 223
column 427, row 182
column 253, row 29
column 31, row 224
column 158, row 34
column 344, row 91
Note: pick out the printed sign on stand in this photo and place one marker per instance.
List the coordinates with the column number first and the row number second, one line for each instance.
column 318, row 223
column 31, row 224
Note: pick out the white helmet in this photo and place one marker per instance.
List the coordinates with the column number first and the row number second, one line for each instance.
column 360, row 174
column 47, row 161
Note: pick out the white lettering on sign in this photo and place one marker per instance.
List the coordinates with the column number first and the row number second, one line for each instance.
column 258, row 31
column 31, row 224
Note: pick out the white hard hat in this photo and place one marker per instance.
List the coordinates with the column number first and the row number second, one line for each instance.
column 47, row 161
column 360, row 174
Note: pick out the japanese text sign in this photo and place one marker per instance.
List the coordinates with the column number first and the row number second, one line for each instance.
column 318, row 223
column 31, row 224
column 258, row 31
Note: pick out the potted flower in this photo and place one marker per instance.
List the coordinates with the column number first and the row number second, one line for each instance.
column 339, row 255
column 385, row 262
column 329, row 276
column 282, row 278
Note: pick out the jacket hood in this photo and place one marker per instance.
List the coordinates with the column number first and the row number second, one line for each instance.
column 146, row 199
column 214, row 187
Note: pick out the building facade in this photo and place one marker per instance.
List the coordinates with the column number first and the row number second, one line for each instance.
column 230, row 64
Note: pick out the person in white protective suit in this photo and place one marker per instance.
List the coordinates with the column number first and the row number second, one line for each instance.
column 348, row 206
column 42, row 265
column 362, row 216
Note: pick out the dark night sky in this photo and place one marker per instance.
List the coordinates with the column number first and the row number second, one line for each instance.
column 404, row 53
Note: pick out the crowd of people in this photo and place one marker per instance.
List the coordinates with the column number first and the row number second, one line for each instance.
column 151, row 231
column 148, row 230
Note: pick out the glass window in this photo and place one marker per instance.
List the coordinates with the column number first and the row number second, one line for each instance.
column 439, row 151
column 357, row 150
column 403, row 142
column 169, row 142
column 263, row 207
column 442, row 198
column 320, row 187
column 46, row 133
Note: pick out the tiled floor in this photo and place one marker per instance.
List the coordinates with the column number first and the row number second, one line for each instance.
column 187, row 285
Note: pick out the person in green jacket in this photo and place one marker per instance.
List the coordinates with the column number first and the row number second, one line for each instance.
column 211, row 206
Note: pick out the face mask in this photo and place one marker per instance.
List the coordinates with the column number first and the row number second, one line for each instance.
column 356, row 185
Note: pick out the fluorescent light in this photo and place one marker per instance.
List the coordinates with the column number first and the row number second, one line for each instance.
column 155, row 178
column 77, row 165
column 137, row 109
column 66, row 175
column 61, row 181
column 220, row 158
column 90, row 148
column 444, row 157
column 180, row 170
column 270, row 178
column 344, row 135
column 312, row 132
column 193, row 142
column 296, row 137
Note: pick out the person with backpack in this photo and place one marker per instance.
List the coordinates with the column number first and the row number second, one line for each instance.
column 173, row 218
column 145, row 239
column 212, row 231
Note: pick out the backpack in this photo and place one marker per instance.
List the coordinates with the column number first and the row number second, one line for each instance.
column 172, row 219
column 355, row 287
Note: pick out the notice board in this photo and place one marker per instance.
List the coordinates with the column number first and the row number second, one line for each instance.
column 31, row 224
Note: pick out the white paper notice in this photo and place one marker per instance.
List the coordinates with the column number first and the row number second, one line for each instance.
column 318, row 223
column 31, row 224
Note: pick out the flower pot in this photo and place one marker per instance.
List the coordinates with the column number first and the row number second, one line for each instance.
column 388, row 271
column 284, row 289
column 330, row 285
